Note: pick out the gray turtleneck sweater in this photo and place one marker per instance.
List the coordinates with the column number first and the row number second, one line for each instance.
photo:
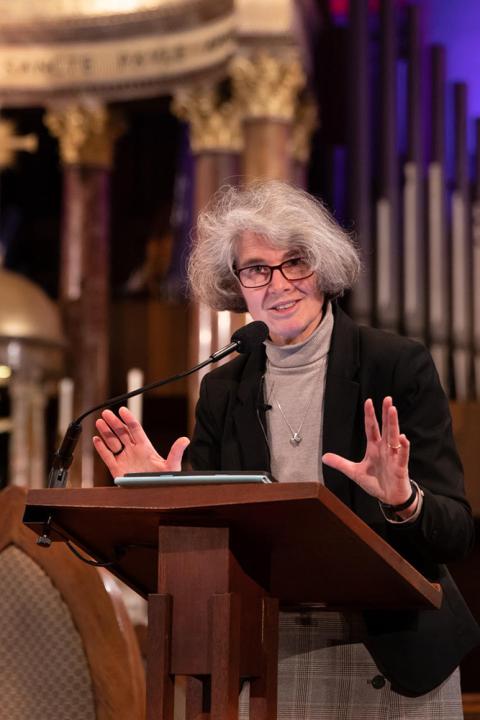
column 294, row 387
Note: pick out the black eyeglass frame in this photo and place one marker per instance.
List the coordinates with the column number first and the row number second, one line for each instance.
column 279, row 267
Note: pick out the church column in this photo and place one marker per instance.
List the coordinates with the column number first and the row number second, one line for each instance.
column 38, row 402
column 216, row 142
column 86, row 135
column 20, row 390
column 266, row 87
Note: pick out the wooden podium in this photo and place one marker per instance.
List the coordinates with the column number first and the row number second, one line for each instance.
column 214, row 562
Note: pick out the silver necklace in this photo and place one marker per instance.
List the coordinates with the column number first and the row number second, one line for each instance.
column 295, row 437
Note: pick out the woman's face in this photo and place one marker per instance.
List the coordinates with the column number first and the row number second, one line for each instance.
column 292, row 309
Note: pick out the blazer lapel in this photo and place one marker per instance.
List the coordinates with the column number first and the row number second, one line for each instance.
column 341, row 402
column 251, row 439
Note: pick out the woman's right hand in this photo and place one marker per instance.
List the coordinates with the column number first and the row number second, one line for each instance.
column 125, row 448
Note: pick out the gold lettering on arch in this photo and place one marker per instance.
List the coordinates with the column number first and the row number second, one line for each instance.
column 140, row 58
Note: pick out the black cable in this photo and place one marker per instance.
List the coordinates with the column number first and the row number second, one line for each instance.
column 95, row 563
column 119, row 551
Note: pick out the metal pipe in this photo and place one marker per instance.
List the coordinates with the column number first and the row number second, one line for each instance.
column 388, row 251
column 414, row 292
column 461, row 252
column 438, row 258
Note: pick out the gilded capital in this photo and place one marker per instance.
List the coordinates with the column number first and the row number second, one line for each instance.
column 304, row 124
column 215, row 124
column 267, row 85
column 10, row 143
column 86, row 134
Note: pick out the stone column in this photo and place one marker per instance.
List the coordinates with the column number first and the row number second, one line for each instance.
column 216, row 142
column 266, row 87
column 38, row 400
column 86, row 135
column 20, row 390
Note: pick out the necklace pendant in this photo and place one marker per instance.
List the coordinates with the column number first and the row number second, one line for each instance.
column 296, row 439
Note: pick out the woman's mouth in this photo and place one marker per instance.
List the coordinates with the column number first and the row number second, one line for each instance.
column 284, row 307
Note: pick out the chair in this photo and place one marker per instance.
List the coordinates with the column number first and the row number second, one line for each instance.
column 67, row 647
column 471, row 706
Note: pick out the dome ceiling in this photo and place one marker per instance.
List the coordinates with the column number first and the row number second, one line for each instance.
column 26, row 312
column 53, row 49
column 31, row 337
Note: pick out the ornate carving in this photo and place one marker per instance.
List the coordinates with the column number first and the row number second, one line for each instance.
column 305, row 122
column 110, row 51
column 267, row 85
column 10, row 143
column 86, row 133
column 215, row 124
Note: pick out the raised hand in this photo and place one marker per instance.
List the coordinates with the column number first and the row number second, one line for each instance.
column 125, row 448
column 383, row 472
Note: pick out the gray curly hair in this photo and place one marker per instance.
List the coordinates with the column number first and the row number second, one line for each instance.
column 288, row 218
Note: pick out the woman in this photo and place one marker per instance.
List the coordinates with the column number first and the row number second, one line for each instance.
column 306, row 406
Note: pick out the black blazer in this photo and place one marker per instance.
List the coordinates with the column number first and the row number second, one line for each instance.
column 415, row 650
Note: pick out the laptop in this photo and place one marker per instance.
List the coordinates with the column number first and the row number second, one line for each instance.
column 191, row 477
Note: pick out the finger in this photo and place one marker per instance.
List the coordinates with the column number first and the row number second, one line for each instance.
column 337, row 462
column 105, row 454
column 117, row 426
column 386, row 405
column 372, row 430
column 174, row 458
column 108, row 436
column 135, row 429
column 403, row 451
column 393, row 429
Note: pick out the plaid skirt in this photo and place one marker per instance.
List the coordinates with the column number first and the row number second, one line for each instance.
column 325, row 674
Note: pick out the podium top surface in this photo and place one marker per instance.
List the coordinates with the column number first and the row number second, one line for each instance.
column 297, row 539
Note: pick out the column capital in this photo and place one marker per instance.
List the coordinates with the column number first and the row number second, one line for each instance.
column 215, row 124
column 86, row 133
column 10, row 143
column 305, row 121
column 267, row 84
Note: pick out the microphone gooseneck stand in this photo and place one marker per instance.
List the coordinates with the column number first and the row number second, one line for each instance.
column 243, row 340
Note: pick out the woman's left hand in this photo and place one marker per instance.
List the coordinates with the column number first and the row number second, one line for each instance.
column 383, row 472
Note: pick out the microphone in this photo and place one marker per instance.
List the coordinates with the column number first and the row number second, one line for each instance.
column 243, row 340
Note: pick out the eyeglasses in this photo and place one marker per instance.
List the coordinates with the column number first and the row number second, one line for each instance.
column 255, row 276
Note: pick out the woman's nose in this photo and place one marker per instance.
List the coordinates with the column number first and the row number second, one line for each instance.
column 278, row 281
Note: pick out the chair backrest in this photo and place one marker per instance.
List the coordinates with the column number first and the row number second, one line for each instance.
column 67, row 647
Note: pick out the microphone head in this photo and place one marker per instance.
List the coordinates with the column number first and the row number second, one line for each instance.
column 250, row 336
